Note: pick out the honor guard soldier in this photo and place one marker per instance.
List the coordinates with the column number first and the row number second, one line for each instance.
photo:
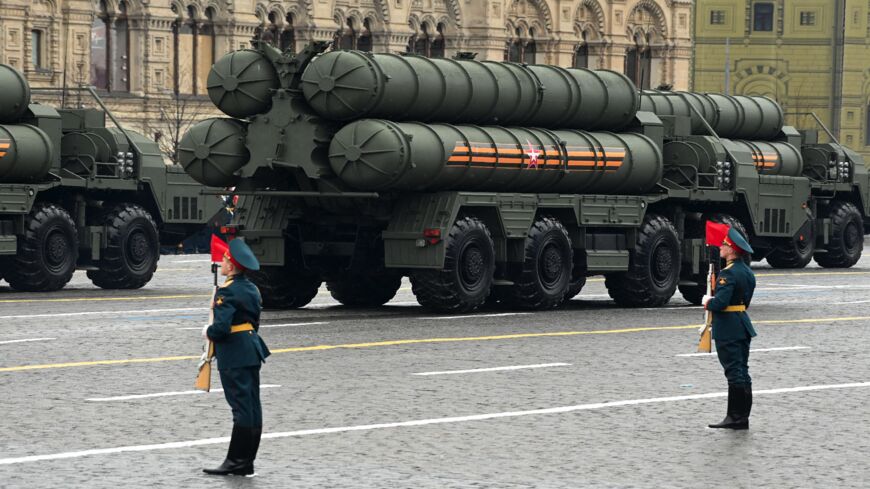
column 732, row 329
column 239, row 351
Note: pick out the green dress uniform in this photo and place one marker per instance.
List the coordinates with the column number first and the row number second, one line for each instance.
column 239, row 352
column 733, row 332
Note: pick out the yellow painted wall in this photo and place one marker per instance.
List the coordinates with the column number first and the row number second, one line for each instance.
column 793, row 64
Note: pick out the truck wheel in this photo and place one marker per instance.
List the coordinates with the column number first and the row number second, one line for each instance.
column 654, row 271
column 793, row 253
column 285, row 288
column 130, row 259
column 548, row 261
column 847, row 237
column 365, row 290
column 465, row 282
column 47, row 251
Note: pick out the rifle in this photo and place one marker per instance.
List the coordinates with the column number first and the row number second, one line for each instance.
column 203, row 377
column 705, row 344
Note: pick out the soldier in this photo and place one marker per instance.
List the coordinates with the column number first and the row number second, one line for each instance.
column 732, row 329
column 239, row 351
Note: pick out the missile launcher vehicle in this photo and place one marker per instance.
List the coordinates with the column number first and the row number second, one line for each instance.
column 78, row 194
column 506, row 184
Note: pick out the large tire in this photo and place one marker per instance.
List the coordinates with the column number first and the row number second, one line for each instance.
column 654, row 270
column 545, row 274
column 130, row 259
column 365, row 290
column 47, row 251
column 793, row 252
column 285, row 288
column 847, row 237
column 465, row 281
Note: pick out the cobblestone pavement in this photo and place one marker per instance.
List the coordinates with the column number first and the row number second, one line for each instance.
column 634, row 416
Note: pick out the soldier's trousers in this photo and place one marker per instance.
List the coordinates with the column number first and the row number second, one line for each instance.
column 734, row 357
column 242, row 391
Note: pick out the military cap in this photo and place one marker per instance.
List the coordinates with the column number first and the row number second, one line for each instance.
column 241, row 254
column 736, row 240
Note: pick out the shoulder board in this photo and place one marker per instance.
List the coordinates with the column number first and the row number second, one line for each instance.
column 227, row 284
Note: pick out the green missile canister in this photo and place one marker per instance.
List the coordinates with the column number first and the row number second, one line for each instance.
column 213, row 151
column 732, row 117
column 349, row 85
column 384, row 155
column 15, row 96
column 774, row 158
column 240, row 84
column 25, row 153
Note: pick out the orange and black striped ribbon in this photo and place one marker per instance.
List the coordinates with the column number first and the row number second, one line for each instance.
column 580, row 158
column 4, row 146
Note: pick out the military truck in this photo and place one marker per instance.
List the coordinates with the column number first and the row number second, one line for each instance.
column 76, row 193
column 503, row 183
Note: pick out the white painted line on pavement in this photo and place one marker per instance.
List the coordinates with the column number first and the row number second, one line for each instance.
column 471, row 316
column 190, row 261
column 782, row 348
column 272, row 325
column 97, row 313
column 494, row 369
column 26, row 340
column 164, row 394
column 419, row 422
column 338, row 304
column 853, row 302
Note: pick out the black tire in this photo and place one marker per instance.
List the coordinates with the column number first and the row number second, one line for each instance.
column 654, row 270
column 847, row 237
column 365, row 290
column 465, row 281
column 545, row 274
column 793, row 253
column 130, row 258
column 285, row 288
column 47, row 251
column 576, row 286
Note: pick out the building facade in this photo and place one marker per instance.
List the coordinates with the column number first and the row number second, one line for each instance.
column 150, row 58
column 809, row 55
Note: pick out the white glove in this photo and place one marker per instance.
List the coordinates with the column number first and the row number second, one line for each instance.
column 205, row 331
column 705, row 300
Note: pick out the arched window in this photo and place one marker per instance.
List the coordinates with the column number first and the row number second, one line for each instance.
column 530, row 50
column 365, row 39
column 120, row 49
column 515, row 48
column 423, row 43
column 269, row 33
column 100, row 48
column 288, row 35
column 347, row 36
column 184, row 33
column 437, row 50
column 205, row 46
column 581, row 53
column 638, row 61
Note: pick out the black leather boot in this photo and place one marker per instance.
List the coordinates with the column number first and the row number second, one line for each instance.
column 256, row 434
column 240, row 460
column 735, row 419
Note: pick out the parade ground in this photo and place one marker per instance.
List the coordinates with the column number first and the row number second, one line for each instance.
column 97, row 391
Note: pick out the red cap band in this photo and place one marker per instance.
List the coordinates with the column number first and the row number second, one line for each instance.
column 233, row 260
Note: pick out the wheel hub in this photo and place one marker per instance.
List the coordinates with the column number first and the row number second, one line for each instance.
column 662, row 265
column 550, row 265
column 56, row 250
column 137, row 249
column 851, row 239
column 473, row 266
